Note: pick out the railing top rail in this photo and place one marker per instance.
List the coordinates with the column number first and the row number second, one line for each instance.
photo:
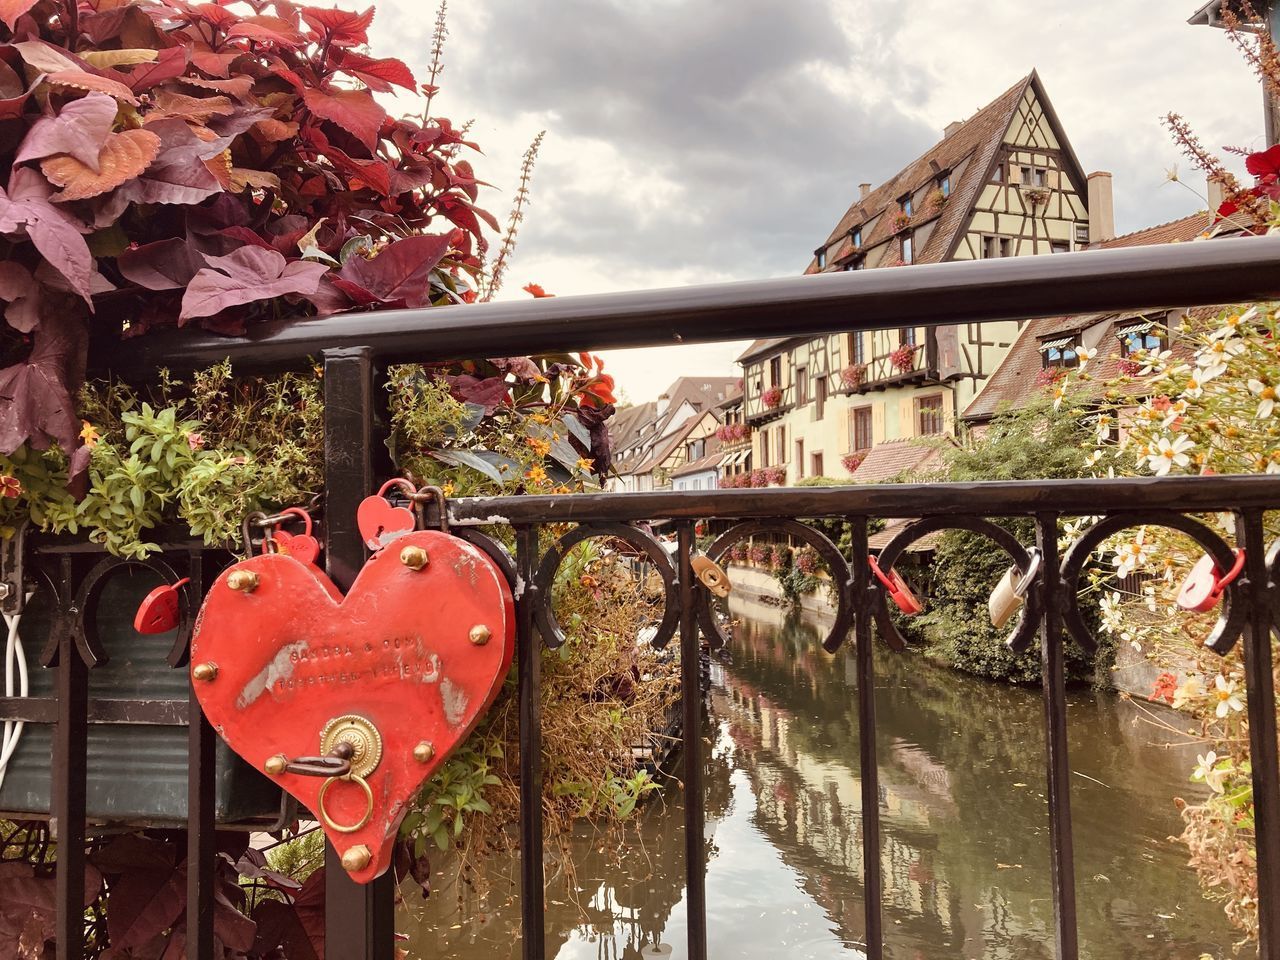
column 988, row 498
column 1021, row 288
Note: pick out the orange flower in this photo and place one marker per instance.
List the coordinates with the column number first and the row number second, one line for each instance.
column 10, row 487
column 535, row 290
column 601, row 389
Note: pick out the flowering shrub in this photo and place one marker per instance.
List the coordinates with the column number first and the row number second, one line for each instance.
column 774, row 476
column 853, row 460
column 772, row 397
column 901, row 221
column 732, row 432
column 853, row 375
column 1213, row 412
column 937, row 199
column 779, row 557
column 807, row 560
column 904, row 358
column 738, row 553
column 758, row 554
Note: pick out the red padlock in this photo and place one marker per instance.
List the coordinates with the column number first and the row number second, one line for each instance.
column 379, row 521
column 301, row 546
column 899, row 592
column 1204, row 584
column 159, row 610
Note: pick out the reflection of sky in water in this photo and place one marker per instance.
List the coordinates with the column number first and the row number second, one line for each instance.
column 756, row 904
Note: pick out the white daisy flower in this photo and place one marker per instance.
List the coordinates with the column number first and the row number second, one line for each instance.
column 1266, row 395
column 1225, row 690
column 1168, row 455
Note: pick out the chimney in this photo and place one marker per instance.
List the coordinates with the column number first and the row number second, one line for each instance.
column 951, row 128
column 863, row 190
column 1102, row 212
column 664, row 401
column 1217, row 196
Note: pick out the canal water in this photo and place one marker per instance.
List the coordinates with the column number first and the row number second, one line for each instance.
column 964, row 823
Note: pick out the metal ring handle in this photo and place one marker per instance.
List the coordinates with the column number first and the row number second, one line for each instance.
column 332, row 824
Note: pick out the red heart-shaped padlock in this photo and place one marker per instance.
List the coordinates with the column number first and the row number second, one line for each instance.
column 301, row 546
column 1203, row 586
column 160, row 609
column 380, row 522
column 396, row 674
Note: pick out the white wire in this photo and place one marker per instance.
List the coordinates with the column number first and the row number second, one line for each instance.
column 14, row 655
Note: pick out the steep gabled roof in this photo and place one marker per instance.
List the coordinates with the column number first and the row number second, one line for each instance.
column 968, row 153
column 667, row 446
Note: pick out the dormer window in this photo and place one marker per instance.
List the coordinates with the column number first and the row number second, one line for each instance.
column 821, row 256
column 905, row 204
column 856, row 236
column 1141, row 336
column 908, row 254
column 944, row 184
column 1063, row 351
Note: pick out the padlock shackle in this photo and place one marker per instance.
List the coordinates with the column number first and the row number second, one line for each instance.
column 1034, row 559
column 874, row 564
column 402, row 483
column 1221, row 583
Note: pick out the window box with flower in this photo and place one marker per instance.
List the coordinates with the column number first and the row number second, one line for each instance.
column 854, row 375
column 772, row 398
column 903, row 359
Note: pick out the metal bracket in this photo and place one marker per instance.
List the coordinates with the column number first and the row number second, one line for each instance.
column 12, row 594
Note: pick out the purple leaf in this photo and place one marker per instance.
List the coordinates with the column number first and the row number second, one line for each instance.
column 488, row 392
column 163, row 265
column 54, row 232
column 36, row 395
column 177, row 175
column 402, row 271
column 80, row 131
column 245, row 276
column 19, row 290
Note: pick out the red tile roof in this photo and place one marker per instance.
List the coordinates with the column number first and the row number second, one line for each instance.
column 1175, row 231
column 891, row 459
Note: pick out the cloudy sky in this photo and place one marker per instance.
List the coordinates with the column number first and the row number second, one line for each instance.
column 691, row 141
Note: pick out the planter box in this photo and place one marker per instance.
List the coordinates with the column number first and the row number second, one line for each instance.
column 137, row 772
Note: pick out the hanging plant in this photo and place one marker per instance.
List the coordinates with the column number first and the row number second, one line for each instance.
column 854, row 375
column 901, row 221
column 772, row 398
column 904, row 358
column 852, row 461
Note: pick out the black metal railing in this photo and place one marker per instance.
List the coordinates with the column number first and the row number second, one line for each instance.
column 355, row 348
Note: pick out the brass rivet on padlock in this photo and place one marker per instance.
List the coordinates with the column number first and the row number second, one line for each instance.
column 415, row 558
column 423, row 752
column 243, row 580
column 357, row 858
column 205, row 672
column 480, row 634
column 275, row 765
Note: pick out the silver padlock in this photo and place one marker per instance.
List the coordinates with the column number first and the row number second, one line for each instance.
column 1009, row 595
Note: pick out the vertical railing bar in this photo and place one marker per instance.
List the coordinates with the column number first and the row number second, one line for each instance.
column 201, row 785
column 868, row 770
column 528, row 647
column 70, row 771
column 1058, row 769
column 1259, row 681
column 359, row 918
column 695, row 866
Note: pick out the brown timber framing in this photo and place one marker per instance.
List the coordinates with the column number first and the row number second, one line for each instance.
column 355, row 347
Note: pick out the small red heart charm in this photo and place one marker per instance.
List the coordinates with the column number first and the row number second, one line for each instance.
column 160, row 609
column 301, row 546
column 397, row 673
column 1200, row 590
column 380, row 522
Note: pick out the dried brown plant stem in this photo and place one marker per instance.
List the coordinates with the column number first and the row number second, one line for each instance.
column 513, row 222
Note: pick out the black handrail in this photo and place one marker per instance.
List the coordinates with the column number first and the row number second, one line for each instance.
column 1020, row 288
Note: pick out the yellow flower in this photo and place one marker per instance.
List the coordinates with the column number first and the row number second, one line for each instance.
column 562, row 489
column 447, row 488
column 585, row 464
column 88, row 434
column 536, row 475
column 540, row 447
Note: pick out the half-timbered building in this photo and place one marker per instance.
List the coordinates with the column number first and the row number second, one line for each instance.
column 1004, row 183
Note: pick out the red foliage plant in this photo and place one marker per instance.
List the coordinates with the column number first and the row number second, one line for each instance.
column 173, row 162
